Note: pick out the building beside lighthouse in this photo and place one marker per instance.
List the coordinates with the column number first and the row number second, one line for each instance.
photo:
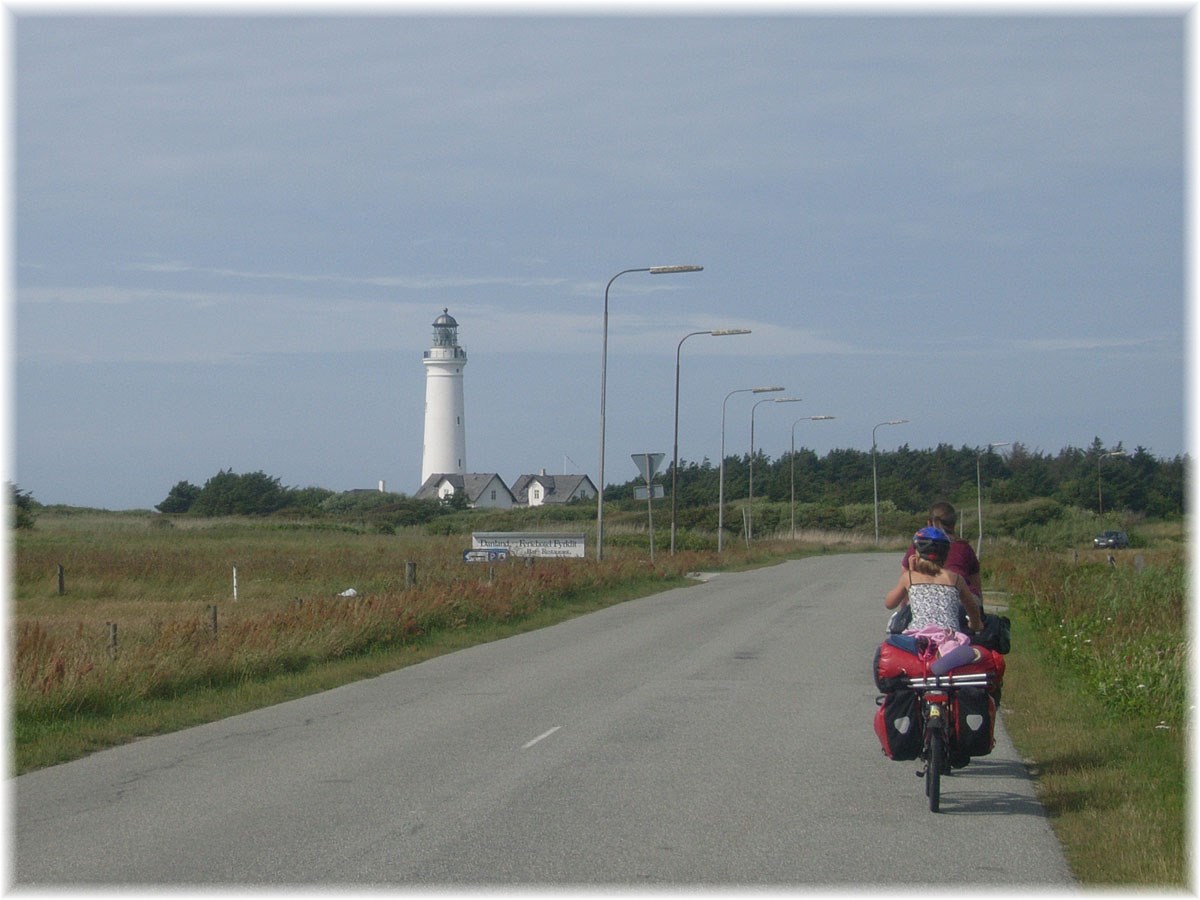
column 445, row 451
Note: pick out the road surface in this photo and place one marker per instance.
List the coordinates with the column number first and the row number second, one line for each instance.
column 714, row 735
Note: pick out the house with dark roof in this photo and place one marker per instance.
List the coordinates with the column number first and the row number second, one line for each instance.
column 482, row 489
column 535, row 490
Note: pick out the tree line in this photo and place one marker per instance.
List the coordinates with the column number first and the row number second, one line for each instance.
column 229, row 493
column 1096, row 478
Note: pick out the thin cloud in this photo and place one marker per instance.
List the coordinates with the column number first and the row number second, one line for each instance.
column 1086, row 344
column 405, row 282
column 101, row 295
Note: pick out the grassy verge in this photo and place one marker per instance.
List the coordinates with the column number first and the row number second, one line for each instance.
column 1111, row 772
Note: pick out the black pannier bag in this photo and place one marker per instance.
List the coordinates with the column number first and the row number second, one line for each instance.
column 974, row 721
column 900, row 620
column 995, row 634
column 898, row 724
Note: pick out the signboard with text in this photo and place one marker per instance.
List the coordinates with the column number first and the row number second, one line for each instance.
column 529, row 543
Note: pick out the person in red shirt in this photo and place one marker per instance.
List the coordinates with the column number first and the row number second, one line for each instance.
column 962, row 558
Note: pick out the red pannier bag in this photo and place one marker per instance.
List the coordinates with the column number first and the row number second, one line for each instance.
column 892, row 664
column 989, row 661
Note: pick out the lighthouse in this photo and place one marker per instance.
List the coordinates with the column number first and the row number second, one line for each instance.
column 445, row 414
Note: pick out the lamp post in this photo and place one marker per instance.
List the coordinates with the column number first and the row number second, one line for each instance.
column 793, row 461
column 1099, row 488
column 875, row 470
column 720, row 332
column 653, row 270
column 721, row 479
column 750, row 499
column 979, row 491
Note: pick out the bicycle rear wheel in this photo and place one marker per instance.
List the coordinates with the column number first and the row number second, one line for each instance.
column 934, row 767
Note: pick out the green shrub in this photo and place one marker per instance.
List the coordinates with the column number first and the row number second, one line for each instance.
column 1121, row 628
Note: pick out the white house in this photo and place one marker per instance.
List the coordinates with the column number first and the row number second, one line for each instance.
column 536, row 490
column 486, row 489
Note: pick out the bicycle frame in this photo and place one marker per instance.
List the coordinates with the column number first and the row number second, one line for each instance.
column 937, row 693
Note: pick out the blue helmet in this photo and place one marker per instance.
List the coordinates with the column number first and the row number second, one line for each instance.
column 932, row 544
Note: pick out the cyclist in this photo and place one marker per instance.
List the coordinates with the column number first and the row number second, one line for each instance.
column 962, row 558
column 935, row 594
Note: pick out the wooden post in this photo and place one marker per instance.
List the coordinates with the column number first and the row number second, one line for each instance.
column 410, row 574
column 112, row 640
column 62, row 580
column 212, row 620
column 235, row 582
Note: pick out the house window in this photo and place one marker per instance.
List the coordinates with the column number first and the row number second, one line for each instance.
column 493, row 495
column 537, row 493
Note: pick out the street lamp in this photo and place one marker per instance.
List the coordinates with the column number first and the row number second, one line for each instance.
column 721, row 480
column 653, row 270
column 750, row 499
column 875, row 470
column 793, row 458
column 979, row 491
column 720, row 332
column 1099, row 489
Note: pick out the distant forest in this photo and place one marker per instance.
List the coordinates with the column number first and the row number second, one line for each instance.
column 1133, row 481
column 1097, row 479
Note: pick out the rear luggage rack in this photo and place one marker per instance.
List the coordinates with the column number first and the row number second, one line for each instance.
column 974, row 679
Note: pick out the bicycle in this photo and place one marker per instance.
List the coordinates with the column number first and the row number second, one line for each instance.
column 938, row 696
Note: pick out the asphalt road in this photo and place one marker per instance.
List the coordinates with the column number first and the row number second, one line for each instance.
column 715, row 735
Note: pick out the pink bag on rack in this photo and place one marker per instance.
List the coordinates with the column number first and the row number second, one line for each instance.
column 953, row 648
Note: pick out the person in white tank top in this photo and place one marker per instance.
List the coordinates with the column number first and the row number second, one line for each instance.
column 933, row 593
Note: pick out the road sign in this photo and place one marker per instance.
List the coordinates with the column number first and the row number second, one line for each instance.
column 493, row 555
column 648, row 464
column 643, row 493
column 528, row 543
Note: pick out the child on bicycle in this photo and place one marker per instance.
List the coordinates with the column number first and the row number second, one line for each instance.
column 934, row 595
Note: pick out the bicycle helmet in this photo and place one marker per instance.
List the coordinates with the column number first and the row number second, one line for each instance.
column 932, row 544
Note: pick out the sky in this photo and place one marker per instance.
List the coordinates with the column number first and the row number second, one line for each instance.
column 231, row 234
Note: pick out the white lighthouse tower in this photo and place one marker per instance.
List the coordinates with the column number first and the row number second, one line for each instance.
column 445, row 413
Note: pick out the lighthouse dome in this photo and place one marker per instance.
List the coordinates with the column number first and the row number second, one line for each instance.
column 445, row 320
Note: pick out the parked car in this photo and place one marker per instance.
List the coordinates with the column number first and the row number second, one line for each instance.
column 1115, row 540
